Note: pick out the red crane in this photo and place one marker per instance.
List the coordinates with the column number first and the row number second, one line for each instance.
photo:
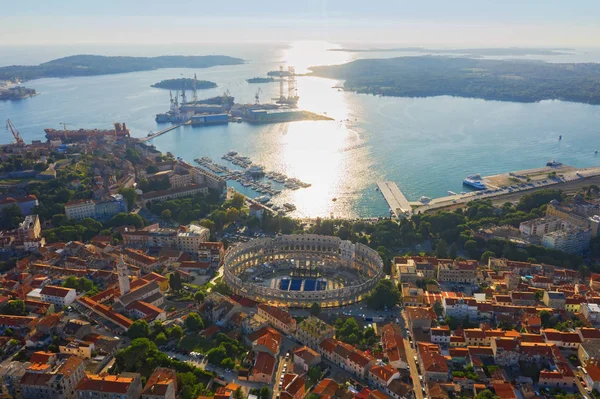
column 14, row 132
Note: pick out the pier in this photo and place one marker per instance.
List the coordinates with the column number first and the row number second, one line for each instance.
column 396, row 200
column 155, row 135
column 511, row 186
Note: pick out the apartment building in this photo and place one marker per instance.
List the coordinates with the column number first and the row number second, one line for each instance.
column 122, row 386
column 457, row 272
column 57, row 381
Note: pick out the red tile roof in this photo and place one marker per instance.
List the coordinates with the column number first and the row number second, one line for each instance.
column 53, row 290
column 264, row 364
column 594, row 371
column 105, row 384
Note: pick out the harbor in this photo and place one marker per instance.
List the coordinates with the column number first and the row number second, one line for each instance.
column 399, row 205
column 268, row 183
column 554, row 175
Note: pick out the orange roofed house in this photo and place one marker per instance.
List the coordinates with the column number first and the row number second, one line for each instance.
column 57, row 381
column 433, row 364
column 277, row 317
column 292, row 387
column 122, row 386
column 59, row 296
column 162, row 384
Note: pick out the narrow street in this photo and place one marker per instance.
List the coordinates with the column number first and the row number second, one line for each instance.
column 580, row 387
column 410, row 356
column 277, row 378
column 414, row 373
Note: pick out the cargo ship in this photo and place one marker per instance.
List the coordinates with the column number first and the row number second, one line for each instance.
column 474, row 181
column 209, row 119
column 260, row 80
column 119, row 131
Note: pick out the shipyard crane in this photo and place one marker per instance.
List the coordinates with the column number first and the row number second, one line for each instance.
column 257, row 94
column 14, row 132
column 194, row 93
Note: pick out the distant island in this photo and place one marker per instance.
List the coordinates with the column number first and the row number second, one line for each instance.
column 90, row 65
column 427, row 76
column 476, row 52
column 184, row 83
column 260, row 80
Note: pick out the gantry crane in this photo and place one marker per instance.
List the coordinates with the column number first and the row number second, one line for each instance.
column 14, row 132
column 256, row 96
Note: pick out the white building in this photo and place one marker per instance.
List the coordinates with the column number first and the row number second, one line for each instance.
column 591, row 311
column 573, row 241
column 80, row 209
column 191, row 238
column 460, row 308
column 541, row 226
column 59, row 296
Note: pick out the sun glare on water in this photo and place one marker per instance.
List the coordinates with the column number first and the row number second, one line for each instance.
column 314, row 151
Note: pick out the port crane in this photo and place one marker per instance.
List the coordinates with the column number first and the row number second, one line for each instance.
column 15, row 132
column 256, row 96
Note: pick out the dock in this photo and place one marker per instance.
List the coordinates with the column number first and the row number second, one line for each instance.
column 155, row 135
column 397, row 202
column 513, row 184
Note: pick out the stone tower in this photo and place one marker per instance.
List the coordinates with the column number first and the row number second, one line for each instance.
column 123, row 275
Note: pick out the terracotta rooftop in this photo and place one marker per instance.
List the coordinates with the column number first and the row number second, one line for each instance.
column 53, row 290
column 105, row 384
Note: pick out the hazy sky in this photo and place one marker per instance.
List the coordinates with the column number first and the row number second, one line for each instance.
column 408, row 22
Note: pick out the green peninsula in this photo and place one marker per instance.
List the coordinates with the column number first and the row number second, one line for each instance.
column 184, row 83
column 90, row 65
column 427, row 76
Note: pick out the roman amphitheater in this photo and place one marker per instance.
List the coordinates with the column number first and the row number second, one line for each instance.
column 299, row 270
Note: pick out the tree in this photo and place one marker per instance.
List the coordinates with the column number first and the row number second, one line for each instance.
column 227, row 363
column 135, row 355
column 199, row 297
column 151, row 169
column 130, row 196
column 232, row 214
column 486, row 394
column 10, row 217
column 175, row 281
column 453, row 251
column 471, row 247
column 139, row 329
column 193, row 322
column 441, row 251
column 209, row 224
column 265, row 393
column 485, row 257
column 176, row 332
column 166, row 214
column 215, row 355
column 315, row 309
column 15, row 308
column 385, row 295
column 438, row 308
column 314, row 374
column 160, row 339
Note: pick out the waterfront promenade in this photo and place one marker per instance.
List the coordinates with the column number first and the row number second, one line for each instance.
column 398, row 203
column 567, row 176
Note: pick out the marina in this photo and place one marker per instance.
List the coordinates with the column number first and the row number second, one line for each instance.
column 253, row 176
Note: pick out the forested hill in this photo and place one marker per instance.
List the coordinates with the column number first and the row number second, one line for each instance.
column 89, row 65
column 426, row 76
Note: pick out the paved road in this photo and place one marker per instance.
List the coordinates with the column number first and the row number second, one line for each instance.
column 410, row 355
column 580, row 387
